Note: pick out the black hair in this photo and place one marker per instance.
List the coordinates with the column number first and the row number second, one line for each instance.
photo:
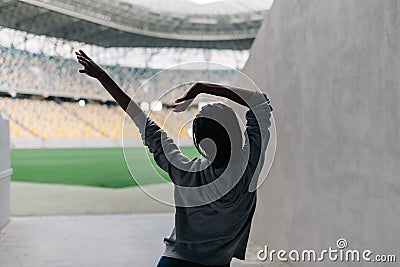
column 217, row 123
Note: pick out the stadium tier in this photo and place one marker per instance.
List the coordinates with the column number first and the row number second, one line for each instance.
column 47, row 118
column 39, row 74
column 39, row 94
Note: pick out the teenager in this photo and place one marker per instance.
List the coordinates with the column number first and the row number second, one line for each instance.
column 214, row 203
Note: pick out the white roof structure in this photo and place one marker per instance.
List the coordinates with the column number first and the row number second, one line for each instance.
column 140, row 23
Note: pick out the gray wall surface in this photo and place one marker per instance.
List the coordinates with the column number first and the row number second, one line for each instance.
column 5, row 172
column 331, row 69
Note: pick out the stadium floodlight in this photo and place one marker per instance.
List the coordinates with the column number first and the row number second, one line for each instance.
column 145, row 106
column 81, row 103
column 13, row 93
column 189, row 131
column 156, row 105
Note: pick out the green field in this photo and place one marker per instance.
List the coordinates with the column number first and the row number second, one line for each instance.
column 103, row 167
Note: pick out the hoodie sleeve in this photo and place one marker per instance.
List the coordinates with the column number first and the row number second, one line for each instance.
column 165, row 152
column 257, row 133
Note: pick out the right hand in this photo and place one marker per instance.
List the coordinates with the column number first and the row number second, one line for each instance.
column 192, row 92
column 90, row 67
column 182, row 103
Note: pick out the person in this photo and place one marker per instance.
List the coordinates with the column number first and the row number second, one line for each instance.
column 214, row 204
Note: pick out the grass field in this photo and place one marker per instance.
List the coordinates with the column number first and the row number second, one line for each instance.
column 103, row 167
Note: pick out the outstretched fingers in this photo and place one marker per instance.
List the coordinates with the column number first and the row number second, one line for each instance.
column 79, row 57
column 182, row 106
column 84, row 54
column 179, row 100
column 83, row 62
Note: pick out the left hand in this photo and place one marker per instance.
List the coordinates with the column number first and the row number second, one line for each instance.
column 90, row 67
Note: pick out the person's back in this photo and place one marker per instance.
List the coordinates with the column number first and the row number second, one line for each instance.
column 214, row 202
column 215, row 197
column 213, row 233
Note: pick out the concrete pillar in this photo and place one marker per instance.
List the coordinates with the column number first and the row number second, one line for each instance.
column 331, row 69
column 5, row 171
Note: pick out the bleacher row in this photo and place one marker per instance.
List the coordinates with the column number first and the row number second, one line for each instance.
column 27, row 72
column 47, row 118
column 39, row 76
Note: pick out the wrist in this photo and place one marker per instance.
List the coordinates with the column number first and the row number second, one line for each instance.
column 201, row 89
column 102, row 75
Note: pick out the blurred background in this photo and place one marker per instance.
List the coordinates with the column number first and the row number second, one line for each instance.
column 50, row 105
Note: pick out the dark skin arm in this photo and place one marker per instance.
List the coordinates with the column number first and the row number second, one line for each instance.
column 238, row 95
column 95, row 71
column 91, row 69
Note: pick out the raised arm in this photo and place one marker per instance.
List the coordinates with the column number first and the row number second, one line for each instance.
column 258, row 120
column 93, row 70
column 238, row 95
column 166, row 153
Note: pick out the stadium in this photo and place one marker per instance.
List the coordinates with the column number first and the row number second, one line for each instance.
column 41, row 90
column 79, row 188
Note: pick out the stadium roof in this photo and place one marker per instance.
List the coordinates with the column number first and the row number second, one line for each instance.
column 140, row 23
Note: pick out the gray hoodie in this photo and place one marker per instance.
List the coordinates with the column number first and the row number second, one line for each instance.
column 214, row 206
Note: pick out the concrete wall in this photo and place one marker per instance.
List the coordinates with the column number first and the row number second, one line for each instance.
column 331, row 69
column 5, row 172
